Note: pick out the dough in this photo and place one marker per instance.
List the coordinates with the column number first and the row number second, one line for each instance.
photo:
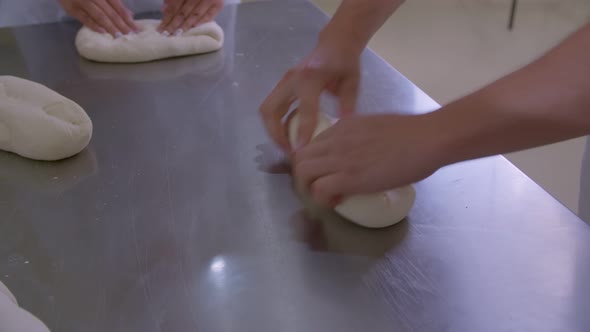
column 15, row 319
column 149, row 44
column 369, row 210
column 199, row 67
column 38, row 123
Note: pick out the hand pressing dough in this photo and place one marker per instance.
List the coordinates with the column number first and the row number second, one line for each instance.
column 38, row 123
column 369, row 210
column 15, row 319
column 149, row 44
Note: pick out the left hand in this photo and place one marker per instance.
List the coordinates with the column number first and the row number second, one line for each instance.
column 182, row 15
column 368, row 154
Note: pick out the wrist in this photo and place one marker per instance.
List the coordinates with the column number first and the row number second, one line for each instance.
column 450, row 134
column 340, row 40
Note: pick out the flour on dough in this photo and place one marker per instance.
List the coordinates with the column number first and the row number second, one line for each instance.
column 149, row 44
column 38, row 123
column 15, row 319
column 369, row 210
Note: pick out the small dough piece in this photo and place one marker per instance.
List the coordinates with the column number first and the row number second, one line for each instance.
column 15, row 319
column 39, row 123
column 369, row 210
column 149, row 44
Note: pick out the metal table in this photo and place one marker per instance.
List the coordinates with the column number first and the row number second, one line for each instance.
column 176, row 218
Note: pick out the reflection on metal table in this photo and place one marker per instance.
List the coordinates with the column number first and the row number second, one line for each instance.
column 174, row 218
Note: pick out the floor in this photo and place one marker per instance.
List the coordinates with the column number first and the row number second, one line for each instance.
column 452, row 47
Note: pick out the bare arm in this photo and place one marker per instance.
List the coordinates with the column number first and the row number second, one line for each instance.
column 355, row 22
column 545, row 102
column 332, row 66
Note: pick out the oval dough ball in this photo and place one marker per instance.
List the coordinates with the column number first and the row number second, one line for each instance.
column 15, row 319
column 38, row 123
column 148, row 44
column 369, row 210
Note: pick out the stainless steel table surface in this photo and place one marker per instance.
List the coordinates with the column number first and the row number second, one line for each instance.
column 178, row 218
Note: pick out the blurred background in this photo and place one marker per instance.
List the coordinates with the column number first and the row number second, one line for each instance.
column 452, row 47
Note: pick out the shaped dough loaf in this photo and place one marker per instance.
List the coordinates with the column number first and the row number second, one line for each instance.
column 38, row 123
column 149, row 44
column 369, row 210
column 15, row 319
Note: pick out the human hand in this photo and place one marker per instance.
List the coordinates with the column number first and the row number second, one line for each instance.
column 102, row 15
column 327, row 69
column 182, row 15
column 368, row 154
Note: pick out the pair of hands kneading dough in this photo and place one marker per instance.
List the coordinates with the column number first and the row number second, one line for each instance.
column 39, row 123
column 369, row 210
column 148, row 44
column 15, row 319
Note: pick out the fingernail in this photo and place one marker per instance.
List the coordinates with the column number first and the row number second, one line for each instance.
column 166, row 33
column 178, row 32
column 118, row 35
column 101, row 30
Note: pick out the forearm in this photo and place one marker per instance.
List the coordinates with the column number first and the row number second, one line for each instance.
column 545, row 102
column 356, row 21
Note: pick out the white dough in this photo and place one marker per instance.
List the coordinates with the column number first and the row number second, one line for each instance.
column 15, row 319
column 38, row 123
column 369, row 210
column 149, row 44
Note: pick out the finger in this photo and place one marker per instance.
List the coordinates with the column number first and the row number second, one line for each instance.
column 348, row 94
column 329, row 190
column 307, row 172
column 184, row 13
column 102, row 19
column 312, row 151
column 308, row 110
column 172, row 8
column 272, row 114
column 190, row 22
column 274, row 108
column 117, row 20
column 88, row 21
column 208, row 13
column 125, row 14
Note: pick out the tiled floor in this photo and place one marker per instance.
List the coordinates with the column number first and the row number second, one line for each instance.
column 452, row 47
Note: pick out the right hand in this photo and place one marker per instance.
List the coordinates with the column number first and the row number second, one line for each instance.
column 328, row 68
column 102, row 15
